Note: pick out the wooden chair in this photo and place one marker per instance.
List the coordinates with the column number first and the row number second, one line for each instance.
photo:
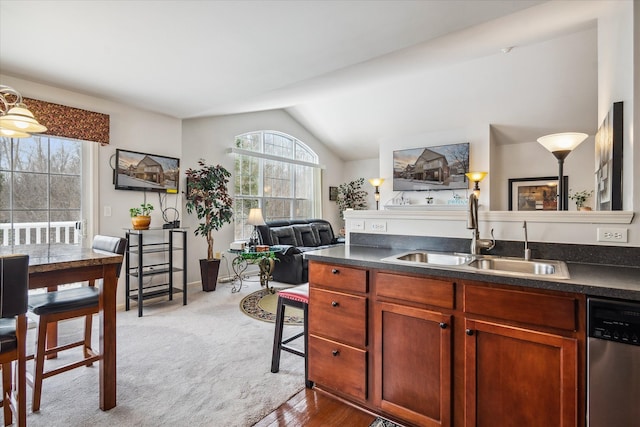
column 52, row 307
column 14, row 280
column 297, row 297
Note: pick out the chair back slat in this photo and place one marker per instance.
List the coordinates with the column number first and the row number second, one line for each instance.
column 14, row 285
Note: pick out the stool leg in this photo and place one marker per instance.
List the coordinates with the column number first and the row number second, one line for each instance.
column 87, row 337
column 41, row 345
column 307, row 383
column 277, row 337
column 7, row 388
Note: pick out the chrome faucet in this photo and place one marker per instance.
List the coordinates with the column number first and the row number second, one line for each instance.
column 527, row 251
column 472, row 224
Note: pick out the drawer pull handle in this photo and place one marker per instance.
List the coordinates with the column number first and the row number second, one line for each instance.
column 443, row 325
column 335, row 353
column 334, row 303
column 469, row 332
column 335, row 271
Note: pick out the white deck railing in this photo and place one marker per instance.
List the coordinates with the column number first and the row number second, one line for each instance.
column 32, row 233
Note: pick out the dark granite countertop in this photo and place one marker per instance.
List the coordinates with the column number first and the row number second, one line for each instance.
column 590, row 279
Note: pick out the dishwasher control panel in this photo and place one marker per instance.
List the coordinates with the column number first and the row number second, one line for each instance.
column 614, row 321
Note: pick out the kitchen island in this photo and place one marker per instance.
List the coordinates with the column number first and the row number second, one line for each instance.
column 441, row 346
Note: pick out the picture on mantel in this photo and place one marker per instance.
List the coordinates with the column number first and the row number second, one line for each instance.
column 431, row 168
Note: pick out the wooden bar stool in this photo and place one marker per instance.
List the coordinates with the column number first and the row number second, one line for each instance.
column 52, row 307
column 297, row 297
column 14, row 274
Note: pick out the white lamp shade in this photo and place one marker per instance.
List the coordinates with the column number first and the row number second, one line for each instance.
column 566, row 141
column 476, row 176
column 20, row 119
column 376, row 182
column 255, row 217
column 10, row 133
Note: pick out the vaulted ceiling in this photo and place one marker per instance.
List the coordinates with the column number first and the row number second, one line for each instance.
column 344, row 69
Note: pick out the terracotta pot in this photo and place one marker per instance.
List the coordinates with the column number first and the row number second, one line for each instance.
column 209, row 273
column 585, row 208
column 141, row 222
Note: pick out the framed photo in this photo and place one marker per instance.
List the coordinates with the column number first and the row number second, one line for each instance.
column 535, row 194
column 431, row 168
column 609, row 161
column 333, row 194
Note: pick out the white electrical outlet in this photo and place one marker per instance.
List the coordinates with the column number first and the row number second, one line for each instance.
column 357, row 225
column 107, row 211
column 378, row 226
column 618, row 235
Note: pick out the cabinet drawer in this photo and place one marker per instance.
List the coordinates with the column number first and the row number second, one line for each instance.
column 338, row 366
column 338, row 277
column 416, row 289
column 338, row 316
column 554, row 311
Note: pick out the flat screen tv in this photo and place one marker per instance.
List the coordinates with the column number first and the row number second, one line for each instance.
column 146, row 172
column 431, row 168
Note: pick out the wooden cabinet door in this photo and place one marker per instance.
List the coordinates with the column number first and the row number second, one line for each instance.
column 519, row 377
column 413, row 364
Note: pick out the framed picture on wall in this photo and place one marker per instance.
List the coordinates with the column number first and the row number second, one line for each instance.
column 439, row 167
column 535, row 194
column 609, row 161
column 333, row 194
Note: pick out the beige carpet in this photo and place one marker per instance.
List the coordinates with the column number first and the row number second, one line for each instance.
column 203, row 364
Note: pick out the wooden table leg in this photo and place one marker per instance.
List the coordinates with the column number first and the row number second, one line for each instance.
column 108, row 337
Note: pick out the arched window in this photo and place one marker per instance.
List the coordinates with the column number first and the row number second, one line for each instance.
column 278, row 173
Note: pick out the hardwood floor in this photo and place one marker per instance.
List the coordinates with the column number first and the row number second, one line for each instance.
column 311, row 408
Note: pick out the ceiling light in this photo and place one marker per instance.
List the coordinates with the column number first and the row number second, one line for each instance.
column 16, row 121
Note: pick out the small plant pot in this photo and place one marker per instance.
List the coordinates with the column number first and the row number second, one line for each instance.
column 209, row 273
column 141, row 222
column 584, row 208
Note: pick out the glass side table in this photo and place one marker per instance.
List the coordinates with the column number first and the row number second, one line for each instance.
column 265, row 260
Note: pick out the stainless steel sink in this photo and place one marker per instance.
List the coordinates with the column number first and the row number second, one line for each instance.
column 556, row 269
column 431, row 258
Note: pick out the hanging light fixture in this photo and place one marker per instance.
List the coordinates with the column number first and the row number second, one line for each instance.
column 16, row 121
column 561, row 145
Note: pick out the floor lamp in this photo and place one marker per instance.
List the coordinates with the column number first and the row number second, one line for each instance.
column 561, row 145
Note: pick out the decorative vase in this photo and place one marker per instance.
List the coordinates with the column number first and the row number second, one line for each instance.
column 141, row 222
column 584, row 208
column 209, row 273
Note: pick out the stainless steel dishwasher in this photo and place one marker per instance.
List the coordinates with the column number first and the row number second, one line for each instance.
column 613, row 363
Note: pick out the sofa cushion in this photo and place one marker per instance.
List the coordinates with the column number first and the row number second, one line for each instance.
column 283, row 236
column 324, row 233
column 305, row 235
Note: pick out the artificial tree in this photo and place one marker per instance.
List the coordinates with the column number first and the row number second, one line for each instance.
column 352, row 196
column 208, row 196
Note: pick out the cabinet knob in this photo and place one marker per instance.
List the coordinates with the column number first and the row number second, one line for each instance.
column 469, row 332
column 335, row 353
column 335, row 271
column 334, row 303
column 443, row 325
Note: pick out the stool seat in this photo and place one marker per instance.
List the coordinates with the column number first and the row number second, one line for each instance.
column 298, row 293
column 64, row 300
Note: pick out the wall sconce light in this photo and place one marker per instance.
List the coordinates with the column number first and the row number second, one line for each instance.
column 255, row 219
column 16, row 121
column 377, row 182
column 561, row 145
column 476, row 177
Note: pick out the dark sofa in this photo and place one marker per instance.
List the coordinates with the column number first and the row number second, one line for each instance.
column 296, row 236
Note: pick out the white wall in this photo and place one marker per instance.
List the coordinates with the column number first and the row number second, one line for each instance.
column 367, row 168
column 210, row 137
column 130, row 129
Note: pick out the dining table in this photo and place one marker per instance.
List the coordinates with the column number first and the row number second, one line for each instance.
column 51, row 265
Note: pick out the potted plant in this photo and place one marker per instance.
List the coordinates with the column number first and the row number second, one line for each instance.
column 580, row 198
column 351, row 196
column 141, row 217
column 208, row 196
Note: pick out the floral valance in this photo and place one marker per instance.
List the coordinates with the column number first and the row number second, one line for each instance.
column 70, row 122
